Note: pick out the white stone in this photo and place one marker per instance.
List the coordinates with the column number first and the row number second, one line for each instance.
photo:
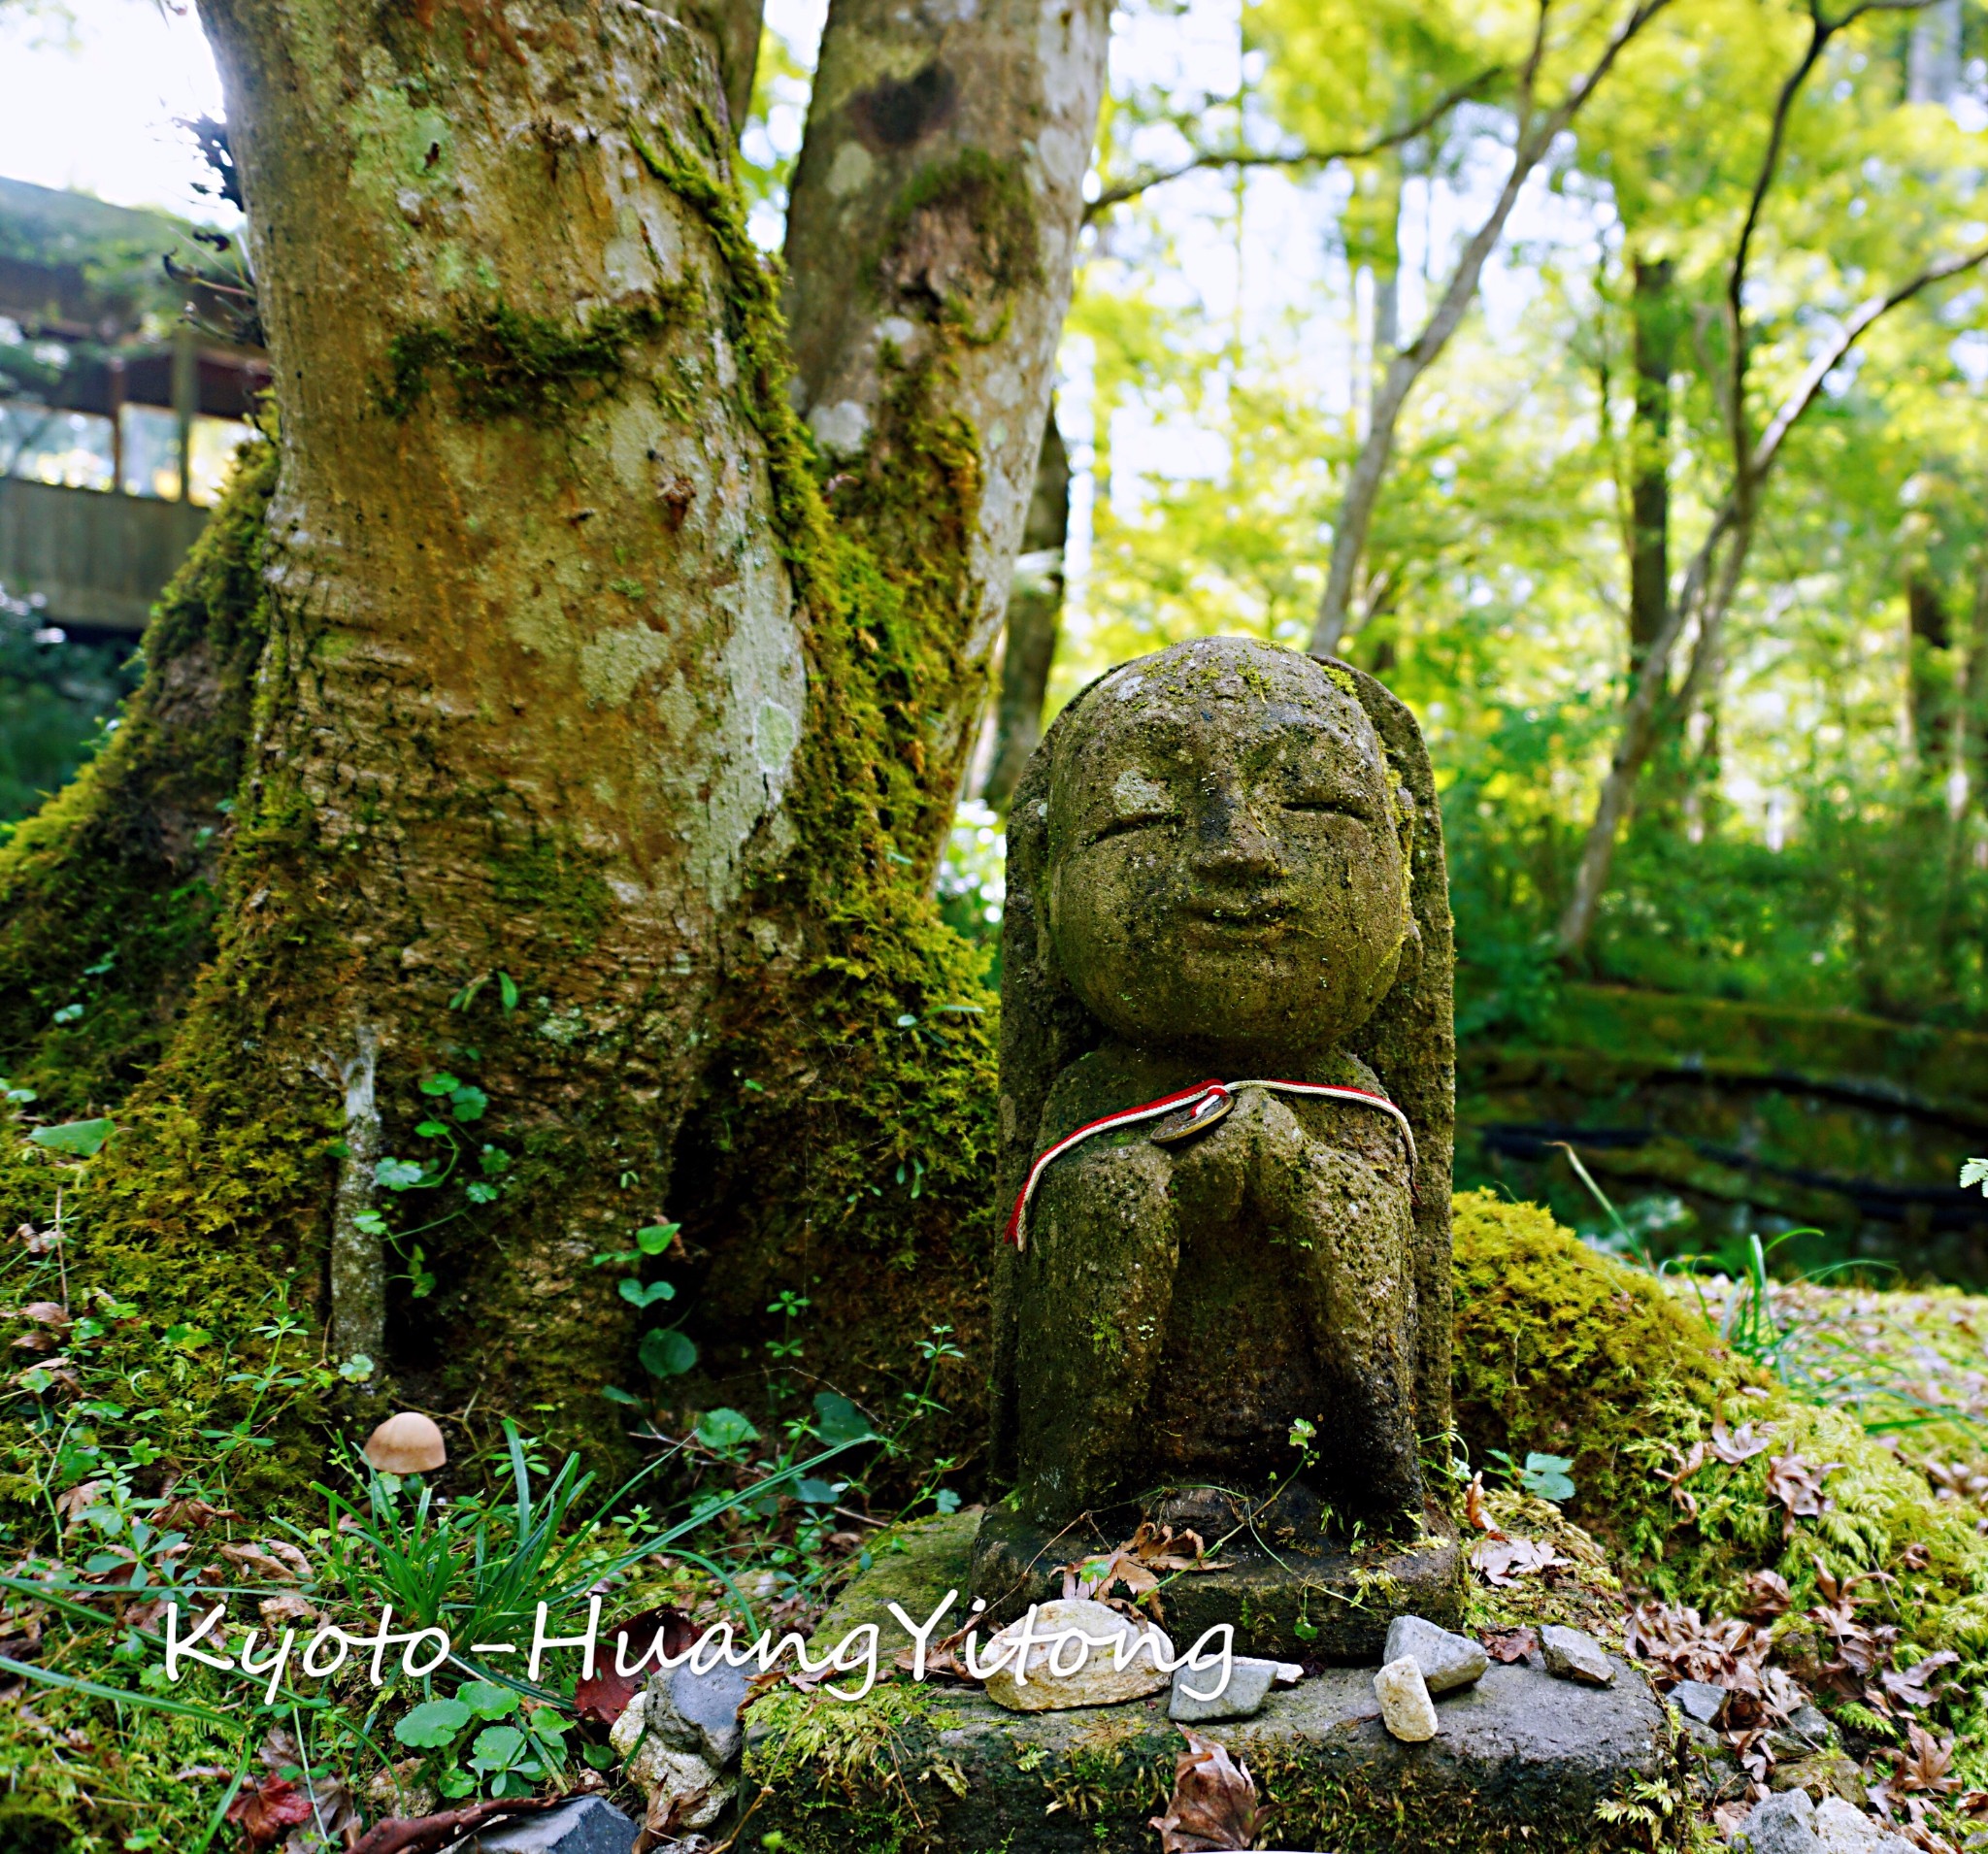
column 1249, row 1686
column 1060, row 1672
column 1576, row 1655
column 1844, row 1830
column 1447, row 1661
column 1406, row 1707
column 664, row 1773
column 1782, row 1824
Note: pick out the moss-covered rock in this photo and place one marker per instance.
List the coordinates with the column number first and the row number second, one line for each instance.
column 1563, row 1349
column 1567, row 1351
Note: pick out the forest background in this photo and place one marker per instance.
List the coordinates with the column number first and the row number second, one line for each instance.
column 1603, row 379
column 1812, row 828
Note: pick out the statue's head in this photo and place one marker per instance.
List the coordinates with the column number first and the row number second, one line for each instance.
column 1228, row 853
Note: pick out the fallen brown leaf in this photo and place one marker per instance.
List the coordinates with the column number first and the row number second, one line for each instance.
column 1476, row 1512
column 1501, row 1562
column 1925, row 1764
column 1910, row 1687
column 1767, row 1596
column 265, row 1812
column 1732, row 1449
column 1798, row 1486
column 607, row 1696
column 1509, row 1644
column 1213, row 1806
column 273, row 1557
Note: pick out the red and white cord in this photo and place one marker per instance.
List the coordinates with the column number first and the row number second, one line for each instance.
column 1202, row 1099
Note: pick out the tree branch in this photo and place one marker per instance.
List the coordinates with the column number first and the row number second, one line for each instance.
column 1370, row 466
column 1734, row 523
column 1123, row 190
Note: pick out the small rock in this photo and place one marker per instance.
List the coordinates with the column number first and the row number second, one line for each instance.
column 1811, row 1722
column 1249, row 1684
column 1096, row 1679
column 1406, row 1707
column 1780, row 1825
column 1699, row 1700
column 700, row 1711
column 1447, row 1661
column 1821, row 1773
column 1844, row 1830
column 1574, row 1655
column 665, row 1756
column 586, row 1824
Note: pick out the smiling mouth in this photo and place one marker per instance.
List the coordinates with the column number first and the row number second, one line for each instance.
column 1227, row 923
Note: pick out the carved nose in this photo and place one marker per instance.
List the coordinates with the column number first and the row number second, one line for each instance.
column 1233, row 845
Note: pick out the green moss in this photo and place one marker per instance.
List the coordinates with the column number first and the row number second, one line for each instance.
column 1561, row 1349
column 868, row 1131
column 991, row 201
column 107, row 895
column 507, row 363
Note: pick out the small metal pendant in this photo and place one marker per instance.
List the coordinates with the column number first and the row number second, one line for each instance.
column 1194, row 1118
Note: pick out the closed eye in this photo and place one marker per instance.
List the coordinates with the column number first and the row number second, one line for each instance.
column 1331, row 808
column 1137, row 821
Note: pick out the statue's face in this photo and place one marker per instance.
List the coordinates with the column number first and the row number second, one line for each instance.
column 1227, row 857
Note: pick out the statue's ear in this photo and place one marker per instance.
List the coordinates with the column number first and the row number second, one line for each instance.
column 1410, row 1040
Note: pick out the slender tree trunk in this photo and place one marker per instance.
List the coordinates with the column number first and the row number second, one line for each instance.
column 1929, row 680
column 1654, row 331
column 933, row 231
column 1035, row 619
column 1531, row 142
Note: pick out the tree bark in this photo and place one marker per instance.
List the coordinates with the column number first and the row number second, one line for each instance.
column 933, row 232
column 734, row 27
column 1035, row 620
column 596, row 755
column 535, row 681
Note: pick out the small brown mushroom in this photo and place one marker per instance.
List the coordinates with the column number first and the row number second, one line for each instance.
column 409, row 1443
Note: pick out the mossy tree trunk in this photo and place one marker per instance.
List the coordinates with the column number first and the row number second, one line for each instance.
column 598, row 760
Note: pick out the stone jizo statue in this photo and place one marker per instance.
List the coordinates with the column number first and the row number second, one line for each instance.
column 1225, row 866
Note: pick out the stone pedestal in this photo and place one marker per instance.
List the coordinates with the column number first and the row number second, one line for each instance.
column 1520, row 1761
column 1286, row 1602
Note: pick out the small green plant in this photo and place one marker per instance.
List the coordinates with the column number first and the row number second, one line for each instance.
column 489, row 1738
column 448, row 1158
column 1543, row 1476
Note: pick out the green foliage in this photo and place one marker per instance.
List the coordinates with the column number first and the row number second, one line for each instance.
column 54, row 701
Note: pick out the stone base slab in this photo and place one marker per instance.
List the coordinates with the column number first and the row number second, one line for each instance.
column 1521, row 1761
